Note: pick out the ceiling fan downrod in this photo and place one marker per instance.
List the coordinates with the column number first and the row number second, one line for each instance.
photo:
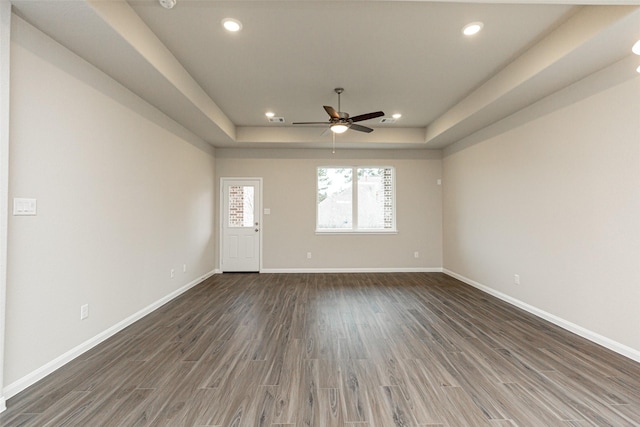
column 339, row 90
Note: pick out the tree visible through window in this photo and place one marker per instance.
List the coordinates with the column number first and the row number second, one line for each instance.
column 363, row 204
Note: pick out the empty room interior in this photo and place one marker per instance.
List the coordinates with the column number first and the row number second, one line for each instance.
column 319, row 213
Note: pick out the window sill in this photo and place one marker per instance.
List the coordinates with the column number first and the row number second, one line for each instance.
column 355, row 232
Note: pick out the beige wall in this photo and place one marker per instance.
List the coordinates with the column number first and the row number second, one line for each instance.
column 124, row 195
column 556, row 200
column 289, row 192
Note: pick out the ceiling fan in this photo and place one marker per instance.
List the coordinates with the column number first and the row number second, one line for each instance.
column 340, row 121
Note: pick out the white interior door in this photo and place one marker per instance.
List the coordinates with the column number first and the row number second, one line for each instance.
column 241, row 228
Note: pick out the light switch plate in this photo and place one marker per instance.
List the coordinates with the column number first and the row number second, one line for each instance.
column 23, row 206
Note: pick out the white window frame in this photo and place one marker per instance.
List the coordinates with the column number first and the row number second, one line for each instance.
column 354, row 202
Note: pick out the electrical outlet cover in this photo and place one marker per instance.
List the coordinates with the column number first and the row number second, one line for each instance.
column 84, row 311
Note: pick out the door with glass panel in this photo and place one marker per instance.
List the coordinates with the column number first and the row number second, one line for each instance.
column 241, row 228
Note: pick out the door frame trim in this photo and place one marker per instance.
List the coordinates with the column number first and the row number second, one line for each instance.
column 223, row 179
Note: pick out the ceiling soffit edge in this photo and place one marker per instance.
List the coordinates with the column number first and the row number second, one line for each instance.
column 472, row 113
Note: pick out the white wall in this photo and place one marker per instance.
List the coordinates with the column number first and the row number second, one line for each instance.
column 124, row 195
column 556, row 200
column 289, row 188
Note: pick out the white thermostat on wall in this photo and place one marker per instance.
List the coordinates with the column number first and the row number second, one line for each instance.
column 24, row 206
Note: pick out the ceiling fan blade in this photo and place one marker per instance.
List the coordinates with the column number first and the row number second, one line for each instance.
column 367, row 116
column 311, row 123
column 331, row 112
column 361, row 128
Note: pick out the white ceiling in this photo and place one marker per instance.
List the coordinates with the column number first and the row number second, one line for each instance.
column 406, row 57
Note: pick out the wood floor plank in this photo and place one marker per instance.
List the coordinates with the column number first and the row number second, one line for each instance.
column 224, row 363
column 110, row 395
column 589, row 404
column 120, row 410
column 158, row 398
column 393, row 408
column 542, row 388
column 354, row 393
column 48, row 391
column 67, row 410
column 479, row 386
column 308, row 405
column 290, row 384
column 425, row 393
column 328, row 373
column 523, row 408
column 330, row 413
column 324, row 350
column 206, row 406
column 459, row 409
column 262, row 407
column 592, row 376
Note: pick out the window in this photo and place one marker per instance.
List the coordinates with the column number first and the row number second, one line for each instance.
column 240, row 206
column 355, row 199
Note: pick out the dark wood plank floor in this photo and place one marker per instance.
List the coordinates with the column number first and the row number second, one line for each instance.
column 357, row 350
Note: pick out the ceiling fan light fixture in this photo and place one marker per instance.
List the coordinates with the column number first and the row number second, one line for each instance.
column 396, row 116
column 232, row 25
column 269, row 114
column 339, row 128
column 472, row 28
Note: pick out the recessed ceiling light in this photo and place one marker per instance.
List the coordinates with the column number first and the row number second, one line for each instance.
column 231, row 24
column 636, row 48
column 269, row 114
column 397, row 115
column 167, row 4
column 472, row 28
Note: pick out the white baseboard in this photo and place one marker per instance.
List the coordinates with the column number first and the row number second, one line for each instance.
column 612, row 345
column 35, row 376
column 3, row 404
column 355, row 270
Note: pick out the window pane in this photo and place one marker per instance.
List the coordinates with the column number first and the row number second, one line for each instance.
column 240, row 206
column 335, row 198
column 375, row 198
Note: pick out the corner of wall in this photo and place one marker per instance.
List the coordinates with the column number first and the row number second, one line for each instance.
column 5, row 46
